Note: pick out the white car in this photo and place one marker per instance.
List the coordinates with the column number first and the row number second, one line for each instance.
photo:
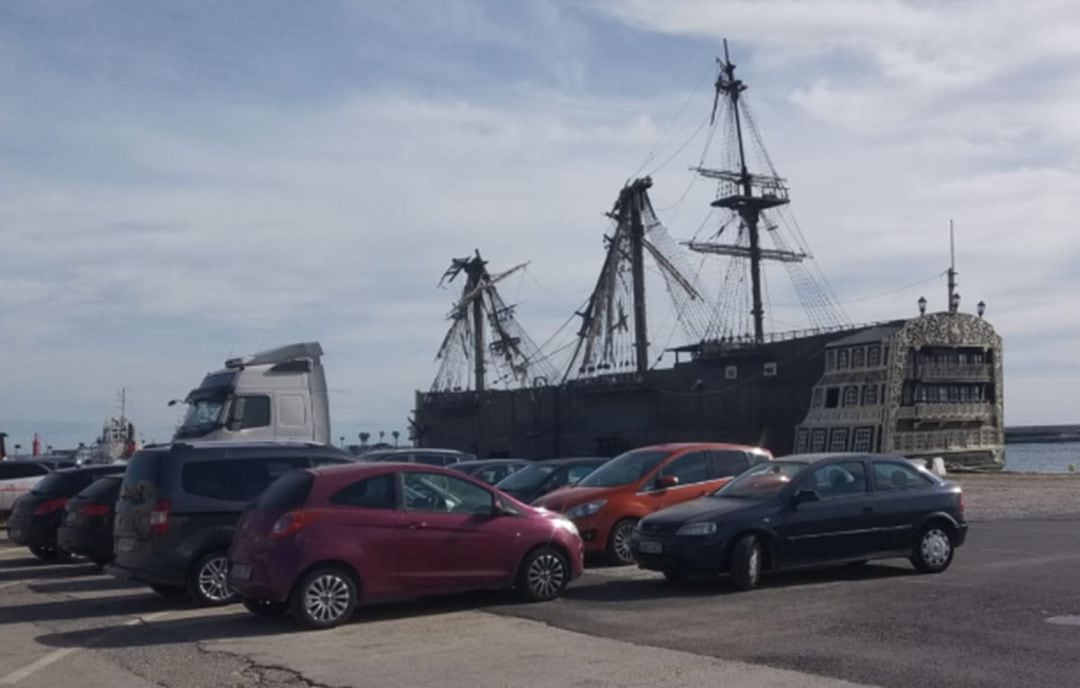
column 16, row 479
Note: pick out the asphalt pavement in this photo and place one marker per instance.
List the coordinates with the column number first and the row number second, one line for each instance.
column 1006, row 614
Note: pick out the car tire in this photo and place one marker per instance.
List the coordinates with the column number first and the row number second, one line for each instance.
column 543, row 575
column 170, row 591
column 746, row 560
column 207, row 583
column 676, row 576
column 266, row 607
column 618, row 542
column 48, row 553
column 934, row 549
column 325, row 597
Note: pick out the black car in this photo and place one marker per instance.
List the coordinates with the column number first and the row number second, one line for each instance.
column 539, row 478
column 431, row 457
column 179, row 505
column 87, row 529
column 490, row 471
column 808, row 510
column 36, row 516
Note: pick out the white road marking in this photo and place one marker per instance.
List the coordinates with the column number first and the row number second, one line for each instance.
column 10, row 585
column 1064, row 620
column 56, row 655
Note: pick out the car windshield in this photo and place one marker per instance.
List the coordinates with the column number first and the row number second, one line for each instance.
column 525, row 479
column 625, row 469
column 762, row 481
column 203, row 416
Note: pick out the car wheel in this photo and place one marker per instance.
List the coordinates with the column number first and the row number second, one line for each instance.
column 676, row 576
column 169, row 590
column 324, row 598
column 266, row 607
column 207, row 584
column 618, row 544
column 543, row 575
column 933, row 550
column 48, row 553
column 746, row 563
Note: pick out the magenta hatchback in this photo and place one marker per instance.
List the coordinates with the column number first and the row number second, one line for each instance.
column 320, row 540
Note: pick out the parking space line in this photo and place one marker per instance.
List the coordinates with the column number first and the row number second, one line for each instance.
column 56, row 655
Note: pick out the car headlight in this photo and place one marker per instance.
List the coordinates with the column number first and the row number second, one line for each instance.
column 566, row 524
column 697, row 529
column 587, row 509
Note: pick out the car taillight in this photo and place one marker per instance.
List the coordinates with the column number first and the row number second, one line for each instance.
column 96, row 510
column 159, row 517
column 961, row 504
column 291, row 522
column 46, row 508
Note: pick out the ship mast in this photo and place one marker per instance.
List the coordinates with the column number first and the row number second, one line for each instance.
column 749, row 195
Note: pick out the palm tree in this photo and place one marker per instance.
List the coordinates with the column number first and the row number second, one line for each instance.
column 364, row 438
column 396, row 434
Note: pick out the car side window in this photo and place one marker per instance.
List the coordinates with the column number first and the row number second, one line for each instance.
column 371, row 493
column 895, row 477
column 235, row 479
column 443, row 493
column 14, row 470
column 837, row 480
column 328, row 460
column 576, row 473
column 689, row 468
column 727, row 463
column 431, row 459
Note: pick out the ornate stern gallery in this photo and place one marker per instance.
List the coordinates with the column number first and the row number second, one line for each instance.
column 926, row 387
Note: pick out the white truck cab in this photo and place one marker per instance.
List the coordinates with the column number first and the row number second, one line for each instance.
column 274, row 394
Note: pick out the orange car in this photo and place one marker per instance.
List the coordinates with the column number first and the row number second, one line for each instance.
column 607, row 504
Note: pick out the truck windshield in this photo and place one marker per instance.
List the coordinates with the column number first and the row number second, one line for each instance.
column 203, row 417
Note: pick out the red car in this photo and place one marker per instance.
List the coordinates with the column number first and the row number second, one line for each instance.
column 320, row 540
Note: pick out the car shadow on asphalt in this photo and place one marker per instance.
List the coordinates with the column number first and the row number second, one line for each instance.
column 617, row 590
column 87, row 584
column 33, row 568
column 228, row 622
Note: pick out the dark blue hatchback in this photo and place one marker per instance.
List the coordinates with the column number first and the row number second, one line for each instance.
column 808, row 510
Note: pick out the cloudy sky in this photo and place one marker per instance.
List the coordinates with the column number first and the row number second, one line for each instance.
column 184, row 182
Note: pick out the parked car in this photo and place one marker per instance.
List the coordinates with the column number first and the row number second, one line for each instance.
column 542, row 477
column 321, row 540
column 179, row 505
column 431, row 457
column 491, row 471
column 808, row 510
column 608, row 503
column 36, row 516
column 87, row 528
column 16, row 479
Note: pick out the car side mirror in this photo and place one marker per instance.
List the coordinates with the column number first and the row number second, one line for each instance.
column 497, row 508
column 805, row 496
column 666, row 481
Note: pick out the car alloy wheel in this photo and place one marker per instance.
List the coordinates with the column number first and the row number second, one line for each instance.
column 327, row 598
column 543, row 575
column 209, row 585
column 547, row 575
column 619, row 542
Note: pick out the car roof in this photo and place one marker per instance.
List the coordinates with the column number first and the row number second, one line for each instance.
column 488, row 462
column 573, row 459
column 378, row 467
column 828, row 456
column 679, row 446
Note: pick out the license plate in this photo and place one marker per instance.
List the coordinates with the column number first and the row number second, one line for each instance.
column 240, row 571
column 125, row 544
column 650, row 547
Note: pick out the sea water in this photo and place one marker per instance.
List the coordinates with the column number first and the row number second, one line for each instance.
column 1043, row 457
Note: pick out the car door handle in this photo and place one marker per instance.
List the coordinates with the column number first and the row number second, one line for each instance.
column 417, row 525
